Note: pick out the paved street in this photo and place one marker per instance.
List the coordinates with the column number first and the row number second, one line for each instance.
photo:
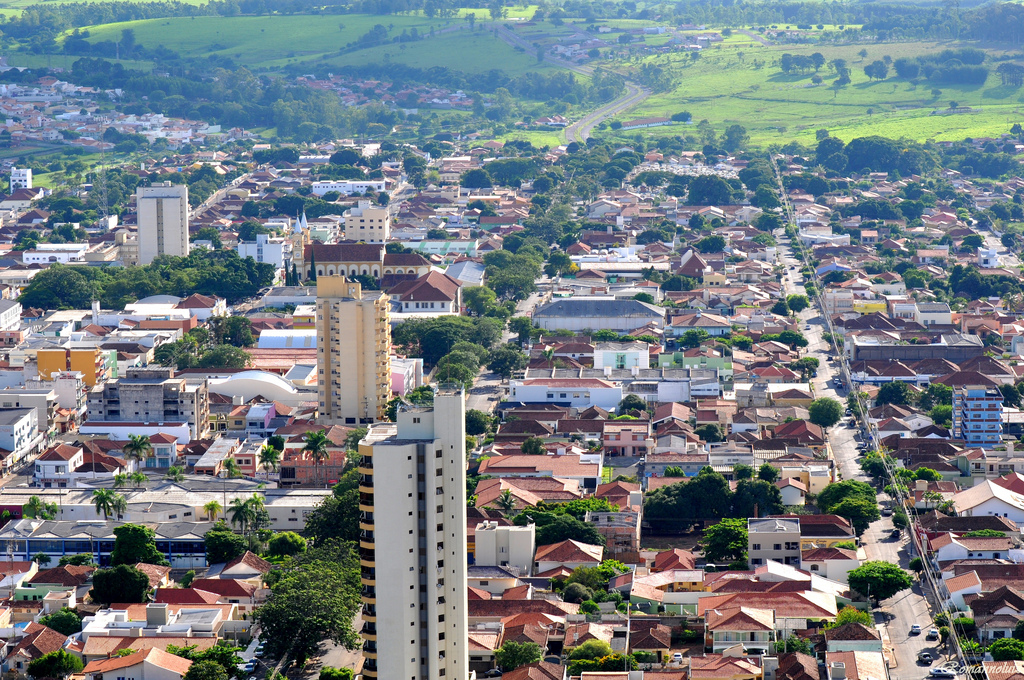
column 896, row 615
column 486, row 391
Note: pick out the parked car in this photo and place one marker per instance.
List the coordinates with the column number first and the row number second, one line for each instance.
column 677, row 657
column 915, row 629
column 249, row 666
column 897, row 534
column 925, row 658
column 493, row 673
column 942, row 673
column 933, row 634
column 886, row 512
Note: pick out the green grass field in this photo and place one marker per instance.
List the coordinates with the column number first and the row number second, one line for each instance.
column 724, row 87
column 277, row 41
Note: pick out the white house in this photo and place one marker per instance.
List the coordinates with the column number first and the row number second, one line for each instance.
column 348, row 186
column 956, row 587
column 832, row 563
column 622, row 355
column 794, row 492
column 275, row 251
column 152, row 664
column 576, row 392
column 989, row 498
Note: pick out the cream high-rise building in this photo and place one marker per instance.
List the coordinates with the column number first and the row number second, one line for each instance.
column 353, row 339
column 412, row 546
column 367, row 223
column 163, row 221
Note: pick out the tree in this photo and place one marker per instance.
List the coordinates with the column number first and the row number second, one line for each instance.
column 512, row 655
column 42, row 559
column 223, row 545
column 849, row 614
column 123, row 583
column 507, row 360
column 859, row 511
column 591, row 649
column 477, row 422
column 138, row 447
column 205, row 670
column 506, row 502
column 631, row 402
column 105, row 500
column 836, row 492
column 212, row 508
column 311, row 603
column 756, row 497
column 693, row 338
column 896, row 392
column 475, row 179
column 768, row 473
column 479, row 299
column 79, row 560
column 175, row 473
column 317, row 445
column 58, row 664
column 825, row 412
column 879, row 580
column 725, row 541
column 735, row 138
column 705, row 497
column 186, row 579
column 714, row 243
column 794, row 644
column 533, row 446
column 270, row 458
column 709, row 190
column 329, row 673
column 36, row 508
column 135, row 543
column 564, row 527
column 710, row 433
column 781, row 308
column 65, row 621
column 1007, row 649
column 286, row 543
column 798, row 303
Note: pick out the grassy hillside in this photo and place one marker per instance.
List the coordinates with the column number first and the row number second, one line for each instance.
column 725, row 87
column 277, row 41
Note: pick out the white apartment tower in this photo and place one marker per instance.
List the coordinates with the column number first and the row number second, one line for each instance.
column 353, row 341
column 163, row 221
column 21, row 178
column 368, row 223
column 412, row 546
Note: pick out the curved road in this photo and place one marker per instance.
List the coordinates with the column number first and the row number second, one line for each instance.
column 580, row 130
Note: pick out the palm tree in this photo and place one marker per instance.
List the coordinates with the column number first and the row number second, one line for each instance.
column 120, row 480
column 316, row 444
column 138, row 447
column 212, row 508
column 231, row 469
column 241, row 513
column 270, row 457
column 175, row 473
column 139, row 478
column 37, row 509
column 506, row 502
column 119, row 505
column 103, row 499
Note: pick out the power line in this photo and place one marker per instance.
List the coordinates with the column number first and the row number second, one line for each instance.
column 929, row 575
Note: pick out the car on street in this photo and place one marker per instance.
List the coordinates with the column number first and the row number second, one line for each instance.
column 493, row 673
column 933, row 634
column 924, row 657
column 942, row 673
column 886, row 512
column 897, row 534
column 915, row 629
column 249, row 666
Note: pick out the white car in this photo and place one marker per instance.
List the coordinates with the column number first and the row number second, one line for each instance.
column 677, row 657
column 942, row 673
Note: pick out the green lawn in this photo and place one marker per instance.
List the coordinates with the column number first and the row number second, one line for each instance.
column 725, row 87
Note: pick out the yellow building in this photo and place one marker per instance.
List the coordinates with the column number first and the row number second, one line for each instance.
column 870, row 306
column 91, row 363
column 353, row 333
column 304, row 317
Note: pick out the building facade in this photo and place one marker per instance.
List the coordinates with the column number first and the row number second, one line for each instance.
column 368, row 223
column 413, row 543
column 977, row 415
column 21, row 178
column 163, row 220
column 275, row 251
column 152, row 395
column 353, row 352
